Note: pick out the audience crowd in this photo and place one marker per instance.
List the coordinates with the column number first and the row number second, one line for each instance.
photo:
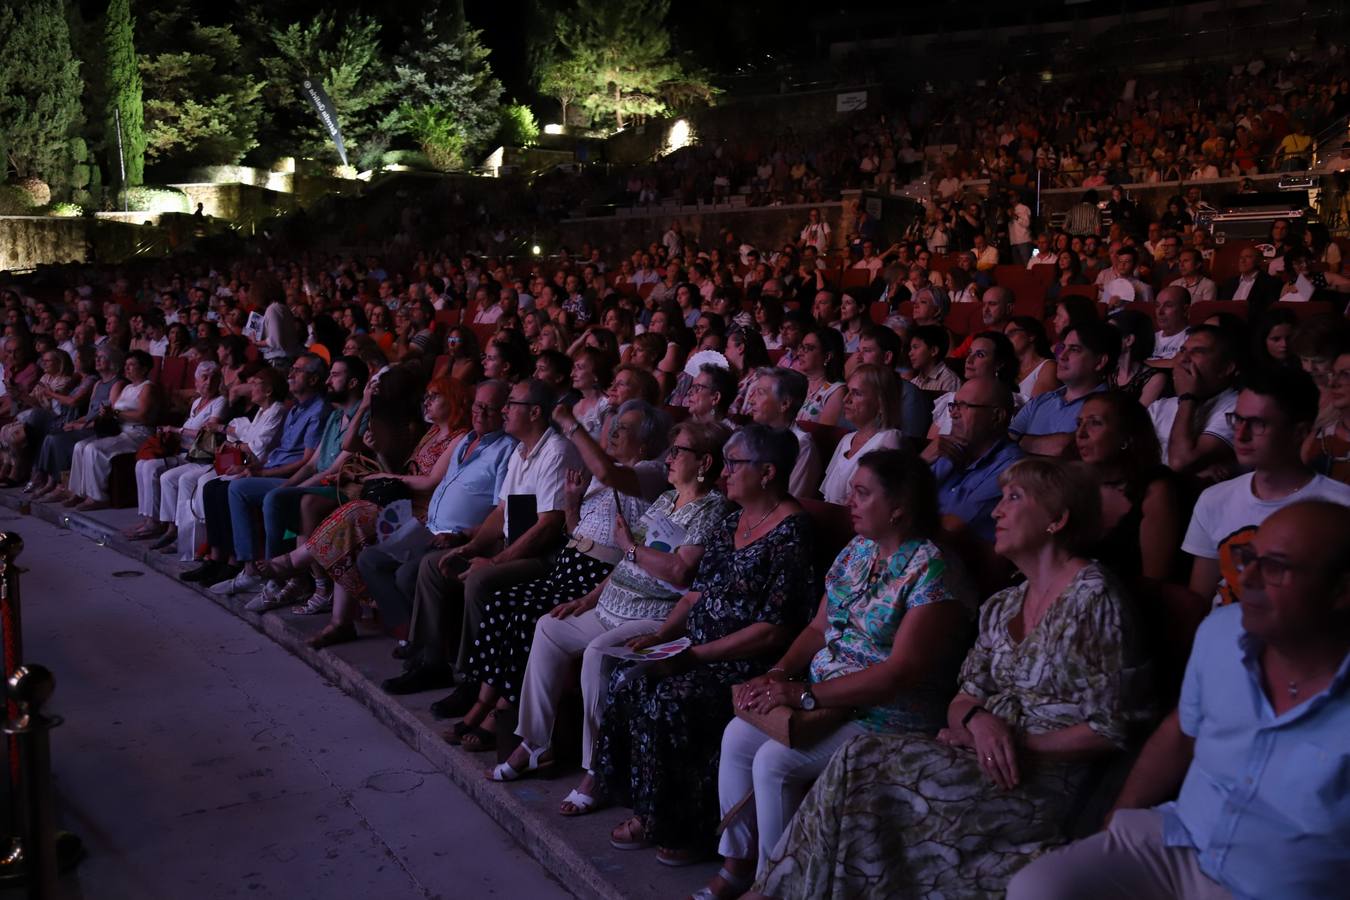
column 876, row 575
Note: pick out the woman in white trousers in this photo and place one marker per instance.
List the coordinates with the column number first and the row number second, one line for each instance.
column 204, row 412
column 91, row 465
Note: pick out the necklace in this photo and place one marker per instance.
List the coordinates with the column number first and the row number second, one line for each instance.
column 745, row 535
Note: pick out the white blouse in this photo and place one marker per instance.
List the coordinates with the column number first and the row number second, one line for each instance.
column 838, row 474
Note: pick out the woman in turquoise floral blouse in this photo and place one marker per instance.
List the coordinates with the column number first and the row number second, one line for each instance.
column 884, row 647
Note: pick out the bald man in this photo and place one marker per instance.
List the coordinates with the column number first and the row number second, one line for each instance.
column 1258, row 744
column 996, row 308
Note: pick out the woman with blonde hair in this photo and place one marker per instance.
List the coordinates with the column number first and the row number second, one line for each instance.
column 872, row 404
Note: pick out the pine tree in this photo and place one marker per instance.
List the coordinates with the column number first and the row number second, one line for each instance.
column 123, row 79
column 40, row 87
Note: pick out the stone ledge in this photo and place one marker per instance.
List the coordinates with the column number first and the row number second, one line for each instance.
column 575, row 851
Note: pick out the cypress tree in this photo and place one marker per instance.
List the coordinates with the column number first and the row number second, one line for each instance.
column 124, row 92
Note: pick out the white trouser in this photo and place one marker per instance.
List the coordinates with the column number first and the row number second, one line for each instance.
column 91, row 465
column 557, row 644
column 176, row 488
column 148, row 472
column 780, row 778
column 191, row 516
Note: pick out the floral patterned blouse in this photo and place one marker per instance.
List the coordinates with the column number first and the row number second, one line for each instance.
column 1081, row 664
column 866, row 599
column 815, row 403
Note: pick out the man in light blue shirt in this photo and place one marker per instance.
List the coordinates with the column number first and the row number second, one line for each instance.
column 1260, row 744
column 1046, row 425
column 970, row 460
column 469, row 491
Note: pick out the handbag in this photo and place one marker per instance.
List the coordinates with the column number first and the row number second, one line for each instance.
column 107, row 423
column 229, row 456
column 352, row 474
column 158, row 446
column 203, row 449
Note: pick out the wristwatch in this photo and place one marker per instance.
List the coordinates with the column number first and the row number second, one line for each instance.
column 807, row 701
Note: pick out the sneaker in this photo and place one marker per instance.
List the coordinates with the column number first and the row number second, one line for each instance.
column 243, row 583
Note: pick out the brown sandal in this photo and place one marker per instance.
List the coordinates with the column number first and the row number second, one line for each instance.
column 333, row 634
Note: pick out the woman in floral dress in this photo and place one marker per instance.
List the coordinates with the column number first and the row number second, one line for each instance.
column 755, row 589
column 1053, row 681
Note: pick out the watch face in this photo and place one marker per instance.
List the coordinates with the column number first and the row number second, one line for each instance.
column 808, row 700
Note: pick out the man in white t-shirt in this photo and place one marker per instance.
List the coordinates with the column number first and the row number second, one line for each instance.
column 1274, row 413
column 1172, row 313
column 533, row 486
column 1192, row 427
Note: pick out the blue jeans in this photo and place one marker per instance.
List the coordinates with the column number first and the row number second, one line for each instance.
column 245, row 495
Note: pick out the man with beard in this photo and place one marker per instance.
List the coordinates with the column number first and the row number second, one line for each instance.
column 280, row 499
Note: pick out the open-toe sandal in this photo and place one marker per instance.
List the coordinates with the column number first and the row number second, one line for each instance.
column 507, row 772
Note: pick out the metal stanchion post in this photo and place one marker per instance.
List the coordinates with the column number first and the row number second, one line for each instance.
column 11, row 645
column 29, row 688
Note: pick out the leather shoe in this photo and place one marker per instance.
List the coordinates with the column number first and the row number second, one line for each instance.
column 210, row 572
column 457, row 704
column 421, row 678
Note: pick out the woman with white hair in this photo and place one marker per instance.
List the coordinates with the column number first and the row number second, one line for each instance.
column 205, row 412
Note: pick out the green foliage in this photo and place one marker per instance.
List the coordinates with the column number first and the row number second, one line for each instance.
column 40, row 89
column 143, row 198
column 15, row 201
column 65, row 210
column 124, row 94
column 438, row 133
column 519, row 128
column 346, row 58
column 201, row 106
column 443, row 72
column 413, row 159
column 616, row 60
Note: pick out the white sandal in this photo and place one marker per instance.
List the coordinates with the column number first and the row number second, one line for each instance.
column 739, row 884
column 316, row 605
column 507, row 772
column 583, row 803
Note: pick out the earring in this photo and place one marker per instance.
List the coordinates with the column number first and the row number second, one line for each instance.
column 700, row 476
column 763, row 484
column 1050, row 529
column 1125, row 445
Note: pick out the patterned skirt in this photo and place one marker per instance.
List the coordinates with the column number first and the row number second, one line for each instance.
column 340, row 538
column 905, row 816
column 506, row 632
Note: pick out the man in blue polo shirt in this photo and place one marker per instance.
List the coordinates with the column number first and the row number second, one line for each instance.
column 968, row 462
column 1258, row 744
column 469, row 491
column 1046, row 425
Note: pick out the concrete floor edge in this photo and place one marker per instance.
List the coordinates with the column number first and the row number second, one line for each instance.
column 573, row 871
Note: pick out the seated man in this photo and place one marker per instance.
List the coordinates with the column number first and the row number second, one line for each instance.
column 500, row 553
column 774, row 400
column 1251, row 283
column 1257, row 744
column 467, row 494
column 996, row 310
column 311, row 485
column 1123, row 268
column 300, row 433
column 968, row 462
column 1271, row 418
column 1045, row 426
column 1192, row 267
column 1173, row 313
column 1192, row 427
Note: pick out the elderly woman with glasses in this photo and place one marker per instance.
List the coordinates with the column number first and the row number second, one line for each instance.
column 625, row 476
column 754, row 591
column 1053, row 683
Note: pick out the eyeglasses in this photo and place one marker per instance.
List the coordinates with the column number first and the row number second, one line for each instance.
column 732, row 463
column 1274, row 572
column 1255, row 423
column 519, row 403
column 960, row 406
column 697, row 388
column 675, row 451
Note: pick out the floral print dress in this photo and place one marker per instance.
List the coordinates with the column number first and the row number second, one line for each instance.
column 814, row 404
column 906, row 816
column 661, row 738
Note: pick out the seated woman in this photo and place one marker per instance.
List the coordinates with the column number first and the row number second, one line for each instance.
column 853, row 315
column 205, row 413
column 1133, row 375
column 883, row 650
column 1327, row 449
column 872, row 403
column 820, row 357
column 625, row 476
column 746, row 353
column 631, row 601
column 58, row 447
column 991, row 355
column 1037, row 371
column 592, row 374
column 1141, row 515
column 180, row 501
column 710, row 395
column 329, row 553
column 1050, row 685
column 753, row 593
column 133, row 411
column 55, row 400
